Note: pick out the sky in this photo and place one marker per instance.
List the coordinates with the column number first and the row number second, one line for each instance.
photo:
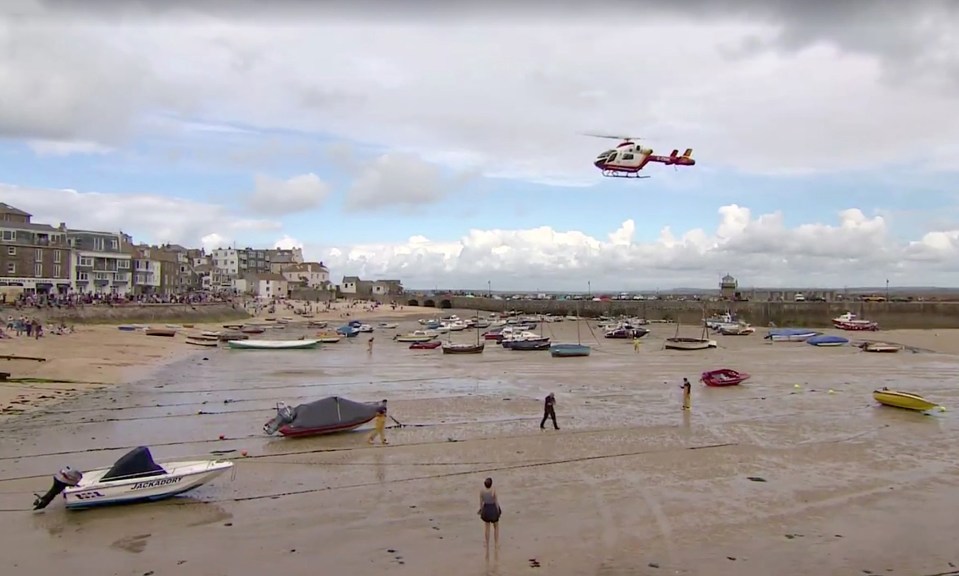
column 445, row 144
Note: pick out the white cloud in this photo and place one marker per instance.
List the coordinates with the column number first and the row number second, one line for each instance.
column 761, row 89
column 60, row 148
column 276, row 197
column 760, row 250
column 287, row 243
column 148, row 218
column 398, row 180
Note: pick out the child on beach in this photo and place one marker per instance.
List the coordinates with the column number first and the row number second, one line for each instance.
column 635, row 344
column 687, row 392
column 379, row 427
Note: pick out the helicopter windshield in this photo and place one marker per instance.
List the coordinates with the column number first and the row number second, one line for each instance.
column 604, row 154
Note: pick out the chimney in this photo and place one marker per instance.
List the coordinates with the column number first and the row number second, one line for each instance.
column 62, row 227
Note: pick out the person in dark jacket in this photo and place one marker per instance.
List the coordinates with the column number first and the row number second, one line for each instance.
column 549, row 412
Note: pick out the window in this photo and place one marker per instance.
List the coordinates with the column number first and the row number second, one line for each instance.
column 11, row 250
column 11, row 267
column 123, row 264
column 57, row 256
column 86, row 261
column 83, row 276
column 57, row 271
column 114, row 244
column 98, row 244
column 627, row 156
column 39, row 255
column 38, row 270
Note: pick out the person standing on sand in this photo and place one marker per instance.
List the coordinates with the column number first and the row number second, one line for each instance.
column 687, row 393
column 379, row 426
column 635, row 344
column 489, row 511
column 549, row 411
column 369, row 345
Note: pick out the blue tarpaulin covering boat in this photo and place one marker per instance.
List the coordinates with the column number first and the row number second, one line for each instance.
column 827, row 340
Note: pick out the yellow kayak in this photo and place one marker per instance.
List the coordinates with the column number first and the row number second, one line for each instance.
column 903, row 400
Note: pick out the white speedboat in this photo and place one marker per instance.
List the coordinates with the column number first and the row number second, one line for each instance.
column 274, row 344
column 135, row 477
column 387, row 325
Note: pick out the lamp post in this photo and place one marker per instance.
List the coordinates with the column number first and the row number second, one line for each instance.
column 887, row 290
column 589, row 286
column 489, row 288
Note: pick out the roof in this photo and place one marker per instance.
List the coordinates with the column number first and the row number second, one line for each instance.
column 270, row 277
column 351, row 279
column 307, row 267
column 8, row 209
column 28, row 226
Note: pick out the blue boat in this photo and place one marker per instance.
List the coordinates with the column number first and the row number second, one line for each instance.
column 347, row 330
column 568, row 350
column 790, row 334
column 827, row 340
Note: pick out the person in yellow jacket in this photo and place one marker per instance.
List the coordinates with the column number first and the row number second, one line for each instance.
column 379, row 427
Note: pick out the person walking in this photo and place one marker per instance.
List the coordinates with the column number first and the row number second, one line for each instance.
column 636, row 344
column 369, row 345
column 549, row 412
column 489, row 511
column 379, row 426
column 687, row 393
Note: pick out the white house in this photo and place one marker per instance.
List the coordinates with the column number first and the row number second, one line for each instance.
column 226, row 260
column 387, row 287
column 146, row 271
column 310, row 274
column 269, row 286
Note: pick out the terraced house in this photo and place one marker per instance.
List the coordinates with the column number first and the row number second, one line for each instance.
column 102, row 262
column 34, row 258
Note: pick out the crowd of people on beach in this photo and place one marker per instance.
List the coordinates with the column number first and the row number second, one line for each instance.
column 79, row 300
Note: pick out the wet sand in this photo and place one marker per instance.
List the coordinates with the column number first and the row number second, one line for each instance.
column 629, row 485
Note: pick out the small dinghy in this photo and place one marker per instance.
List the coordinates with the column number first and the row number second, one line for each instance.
column 135, row 477
column 165, row 332
column 905, row 400
column 431, row 345
column 882, row 347
column 326, row 416
column 790, row 334
column 827, row 340
column 203, row 342
column 273, row 344
column 569, row 350
column 723, row 377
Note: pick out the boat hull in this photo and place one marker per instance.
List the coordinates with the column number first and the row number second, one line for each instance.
column 688, row 344
column 463, row 348
column 297, row 432
column 827, row 340
column 529, row 345
column 273, row 344
column 723, row 377
column 903, row 400
column 569, row 350
column 92, row 493
column 425, row 345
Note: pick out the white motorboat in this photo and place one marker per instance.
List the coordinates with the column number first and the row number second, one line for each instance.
column 273, row 344
column 387, row 325
column 135, row 477
column 365, row 328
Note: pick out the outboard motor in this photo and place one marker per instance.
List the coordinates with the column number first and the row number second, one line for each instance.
column 65, row 477
column 284, row 415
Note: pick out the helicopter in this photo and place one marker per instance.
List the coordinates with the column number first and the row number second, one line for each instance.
column 628, row 158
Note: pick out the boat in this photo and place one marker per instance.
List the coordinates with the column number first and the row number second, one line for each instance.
column 569, row 350
column 328, row 338
column 625, row 331
column 450, row 348
column 430, row 345
column 848, row 321
column 252, row 330
column 681, row 343
column 578, row 350
column 208, row 343
column 414, row 336
column 739, row 329
column 723, row 377
column 233, row 326
column 348, row 330
column 232, row 336
column 880, row 347
column 127, row 327
column 165, row 332
column 790, row 334
column 316, row 324
column 529, row 345
column 827, row 340
column 527, row 337
column 273, row 344
column 327, row 416
column 905, row 400
column 135, row 477
column 364, row 328
column 387, row 325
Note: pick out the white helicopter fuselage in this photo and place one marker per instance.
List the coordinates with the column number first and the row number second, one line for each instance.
column 625, row 156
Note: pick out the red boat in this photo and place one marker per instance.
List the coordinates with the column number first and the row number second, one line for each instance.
column 431, row 345
column 723, row 377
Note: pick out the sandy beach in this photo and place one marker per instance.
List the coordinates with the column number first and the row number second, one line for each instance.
column 797, row 471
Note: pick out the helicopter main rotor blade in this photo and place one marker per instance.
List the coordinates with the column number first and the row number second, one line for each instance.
column 612, row 137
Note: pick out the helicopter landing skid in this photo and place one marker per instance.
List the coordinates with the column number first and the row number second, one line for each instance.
column 618, row 174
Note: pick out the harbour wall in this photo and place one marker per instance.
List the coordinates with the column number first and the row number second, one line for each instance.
column 889, row 315
column 132, row 313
